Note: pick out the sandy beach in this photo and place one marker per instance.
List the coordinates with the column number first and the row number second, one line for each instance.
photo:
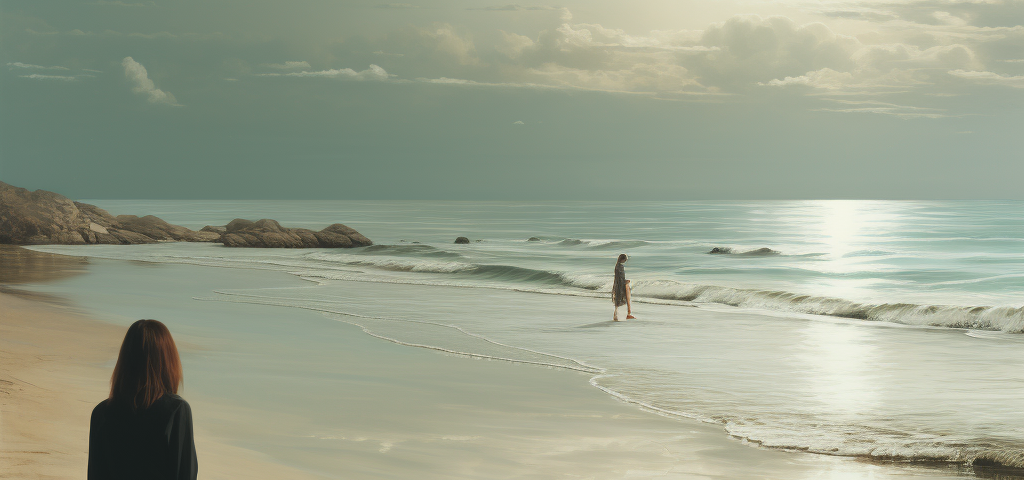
column 323, row 400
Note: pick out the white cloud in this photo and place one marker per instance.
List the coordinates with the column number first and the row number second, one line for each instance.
column 14, row 65
column 514, row 45
column 991, row 78
column 825, row 78
column 447, row 41
column 37, row 76
column 375, row 72
column 885, row 108
column 137, row 75
column 518, row 122
column 289, row 65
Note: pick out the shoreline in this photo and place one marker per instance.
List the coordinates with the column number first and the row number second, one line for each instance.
column 583, row 417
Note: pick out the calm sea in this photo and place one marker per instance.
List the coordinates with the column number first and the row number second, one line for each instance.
column 862, row 328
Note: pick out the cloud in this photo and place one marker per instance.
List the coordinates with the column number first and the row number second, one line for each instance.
column 37, row 76
column 396, row 6
column 447, row 41
column 518, row 122
column 290, row 65
column 514, row 45
column 515, row 8
column 990, row 78
column 939, row 13
column 825, row 78
column 137, row 75
column 14, row 65
column 375, row 72
column 885, row 108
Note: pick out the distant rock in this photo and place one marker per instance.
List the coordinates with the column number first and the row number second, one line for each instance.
column 760, row 252
column 215, row 229
column 533, row 239
column 268, row 233
column 461, row 240
column 154, row 227
column 42, row 218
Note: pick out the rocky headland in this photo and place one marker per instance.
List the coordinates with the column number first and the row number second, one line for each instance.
column 48, row 218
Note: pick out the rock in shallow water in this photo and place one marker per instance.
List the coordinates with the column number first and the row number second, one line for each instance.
column 462, row 240
column 267, row 233
column 760, row 252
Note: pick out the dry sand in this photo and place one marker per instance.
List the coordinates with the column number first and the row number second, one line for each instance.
column 54, row 368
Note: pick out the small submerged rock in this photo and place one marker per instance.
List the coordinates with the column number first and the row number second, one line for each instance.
column 760, row 252
column 462, row 240
column 533, row 239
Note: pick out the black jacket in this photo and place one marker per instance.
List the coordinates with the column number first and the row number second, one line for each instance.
column 153, row 443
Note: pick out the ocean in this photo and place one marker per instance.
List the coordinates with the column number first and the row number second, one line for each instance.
column 889, row 330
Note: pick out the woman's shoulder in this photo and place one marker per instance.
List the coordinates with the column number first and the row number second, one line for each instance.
column 171, row 402
column 101, row 407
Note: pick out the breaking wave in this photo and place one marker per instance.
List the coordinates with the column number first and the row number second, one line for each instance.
column 1001, row 318
column 416, row 250
column 1007, row 319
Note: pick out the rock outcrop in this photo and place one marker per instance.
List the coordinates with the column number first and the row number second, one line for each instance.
column 41, row 218
column 462, row 240
column 268, row 233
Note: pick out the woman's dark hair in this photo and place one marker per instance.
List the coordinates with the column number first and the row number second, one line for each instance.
column 148, row 366
column 622, row 257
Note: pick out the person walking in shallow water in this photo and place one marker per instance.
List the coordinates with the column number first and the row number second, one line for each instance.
column 144, row 430
column 620, row 289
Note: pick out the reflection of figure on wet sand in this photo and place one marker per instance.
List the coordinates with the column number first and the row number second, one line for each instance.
column 621, row 290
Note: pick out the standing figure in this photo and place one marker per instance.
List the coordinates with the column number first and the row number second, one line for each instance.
column 620, row 289
column 144, row 430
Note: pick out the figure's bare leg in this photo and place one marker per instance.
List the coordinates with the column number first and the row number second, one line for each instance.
column 629, row 300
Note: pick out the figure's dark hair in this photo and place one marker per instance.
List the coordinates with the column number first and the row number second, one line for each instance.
column 622, row 257
column 147, row 367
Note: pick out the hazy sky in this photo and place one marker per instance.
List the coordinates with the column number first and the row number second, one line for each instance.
column 471, row 99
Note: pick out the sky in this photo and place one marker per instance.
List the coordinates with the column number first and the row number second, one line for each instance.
column 485, row 100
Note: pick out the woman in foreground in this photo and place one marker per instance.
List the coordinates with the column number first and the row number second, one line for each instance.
column 620, row 289
column 144, row 430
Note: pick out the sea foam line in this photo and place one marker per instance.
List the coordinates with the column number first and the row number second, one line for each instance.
column 575, row 364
